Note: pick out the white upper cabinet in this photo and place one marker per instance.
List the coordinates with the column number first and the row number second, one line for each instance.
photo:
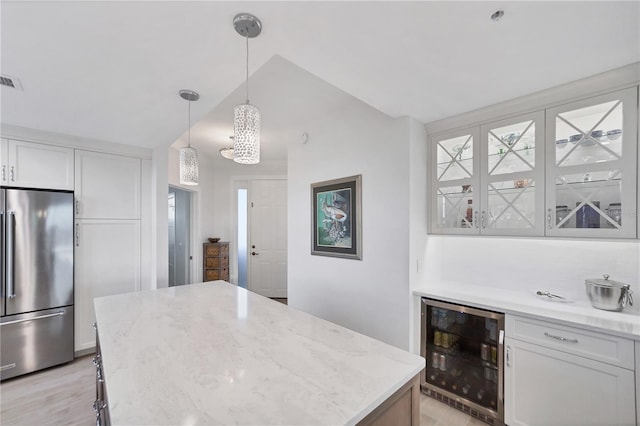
column 35, row 165
column 489, row 180
column 108, row 186
column 566, row 171
column 591, row 167
column 455, row 182
column 512, row 176
column 4, row 169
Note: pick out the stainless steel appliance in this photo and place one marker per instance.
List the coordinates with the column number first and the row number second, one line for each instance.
column 464, row 350
column 36, row 291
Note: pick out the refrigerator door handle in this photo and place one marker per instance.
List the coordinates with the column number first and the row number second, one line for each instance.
column 11, row 217
column 55, row 314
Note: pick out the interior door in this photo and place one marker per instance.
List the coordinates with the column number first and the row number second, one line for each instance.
column 268, row 237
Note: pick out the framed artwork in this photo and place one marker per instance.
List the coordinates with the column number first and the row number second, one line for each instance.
column 336, row 218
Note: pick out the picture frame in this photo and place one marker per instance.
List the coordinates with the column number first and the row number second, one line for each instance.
column 336, row 218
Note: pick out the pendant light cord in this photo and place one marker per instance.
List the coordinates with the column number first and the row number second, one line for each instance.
column 189, row 130
column 247, row 37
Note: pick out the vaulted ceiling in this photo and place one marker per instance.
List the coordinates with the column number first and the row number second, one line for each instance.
column 111, row 70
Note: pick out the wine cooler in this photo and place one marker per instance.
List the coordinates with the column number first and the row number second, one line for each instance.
column 464, row 349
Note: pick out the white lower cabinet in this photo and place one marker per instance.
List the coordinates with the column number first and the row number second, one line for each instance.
column 545, row 385
column 107, row 262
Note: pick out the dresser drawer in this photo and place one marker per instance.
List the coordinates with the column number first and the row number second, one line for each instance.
column 212, row 250
column 211, row 274
column 212, row 262
column 597, row 346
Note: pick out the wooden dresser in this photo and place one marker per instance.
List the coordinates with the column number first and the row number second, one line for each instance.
column 215, row 261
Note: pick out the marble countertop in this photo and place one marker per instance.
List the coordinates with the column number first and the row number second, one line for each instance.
column 213, row 353
column 577, row 313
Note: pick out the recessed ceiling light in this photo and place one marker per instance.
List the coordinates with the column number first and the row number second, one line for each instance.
column 497, row 15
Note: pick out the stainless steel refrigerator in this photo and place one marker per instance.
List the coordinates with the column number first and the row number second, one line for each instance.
column 36, row 295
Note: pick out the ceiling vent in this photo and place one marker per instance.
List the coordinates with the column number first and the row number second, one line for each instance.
column 8, row 81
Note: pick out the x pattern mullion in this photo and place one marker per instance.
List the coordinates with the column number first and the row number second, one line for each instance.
column 510, row 204
column 453, row 158
column 510, row 149
column 455, row 206
column 586, row 200
column 588, row 134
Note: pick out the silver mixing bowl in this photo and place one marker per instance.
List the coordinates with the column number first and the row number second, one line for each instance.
column 608, row 294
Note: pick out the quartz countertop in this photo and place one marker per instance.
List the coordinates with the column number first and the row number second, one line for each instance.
column 214, row 353
column 577, row 313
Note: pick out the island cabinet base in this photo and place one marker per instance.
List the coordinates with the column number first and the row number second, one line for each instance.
column 400, row 409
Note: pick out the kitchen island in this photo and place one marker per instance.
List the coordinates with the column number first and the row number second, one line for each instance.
column 214, row 353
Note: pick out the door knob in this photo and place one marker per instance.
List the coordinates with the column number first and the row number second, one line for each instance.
column 253, row 253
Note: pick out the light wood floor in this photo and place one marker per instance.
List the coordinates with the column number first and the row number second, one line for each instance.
column 64, row 396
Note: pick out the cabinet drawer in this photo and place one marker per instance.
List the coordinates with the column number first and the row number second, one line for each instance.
column 212, row 262
column 212, row 250
column 212, row 274
column 224, row 274
column 224, row 261
column 597, row 346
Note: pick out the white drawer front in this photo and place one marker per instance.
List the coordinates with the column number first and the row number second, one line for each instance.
column 597, row 346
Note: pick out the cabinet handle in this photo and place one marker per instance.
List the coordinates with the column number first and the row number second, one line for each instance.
column 77, row 206
column 549, row 211
column 4, row 173
column 77, row 235
column 12, row 174
column 508, row 356
column 562, row 339
column 475, row 219
column 484, row 219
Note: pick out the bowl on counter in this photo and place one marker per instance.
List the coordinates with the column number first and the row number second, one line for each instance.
column 608, row 295
column 213, row 240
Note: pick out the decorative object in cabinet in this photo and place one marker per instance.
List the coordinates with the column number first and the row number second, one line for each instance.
column 215, row 261
column 594, row 174
column 464, row 350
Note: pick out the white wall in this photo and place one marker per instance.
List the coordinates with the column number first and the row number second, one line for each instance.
column 530, row 264
column 417, row 222
column 370, row 295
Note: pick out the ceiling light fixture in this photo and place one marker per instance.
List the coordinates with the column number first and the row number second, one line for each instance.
column 188, row 155
column 246, row 117
column 228, row 151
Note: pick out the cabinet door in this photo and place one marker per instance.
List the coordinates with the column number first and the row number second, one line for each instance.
column 512, row 176
column 549, row 387
column 107, row 262
column 4, row 169
column 455, row 182
column 591, row 167
column 34, row 165
column 107, row 186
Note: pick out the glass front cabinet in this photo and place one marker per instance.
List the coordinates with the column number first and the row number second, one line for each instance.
column 568, row 171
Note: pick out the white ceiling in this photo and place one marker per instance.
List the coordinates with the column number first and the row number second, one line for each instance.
column 112, row 70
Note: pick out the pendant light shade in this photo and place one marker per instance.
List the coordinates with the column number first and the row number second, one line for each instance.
column 188, row 155
column 246, row 128
column 188, row 166
column 246, row 117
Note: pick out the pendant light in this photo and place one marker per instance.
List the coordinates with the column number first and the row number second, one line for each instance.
column 246, row 117
column 188, row 155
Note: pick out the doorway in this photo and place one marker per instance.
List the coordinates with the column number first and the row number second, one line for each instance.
column 267, row 237
column 179, row 203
